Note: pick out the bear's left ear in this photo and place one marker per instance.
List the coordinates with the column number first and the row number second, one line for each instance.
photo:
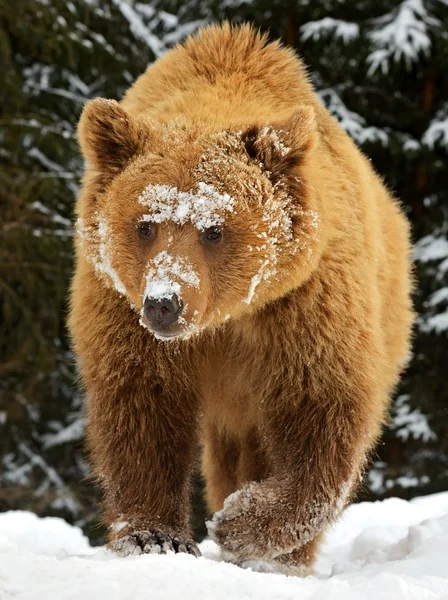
column 108, row 136
column 281, row 146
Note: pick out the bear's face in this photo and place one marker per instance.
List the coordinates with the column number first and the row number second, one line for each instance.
column 194, row 228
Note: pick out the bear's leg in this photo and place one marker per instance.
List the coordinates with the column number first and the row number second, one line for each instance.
column 142, row 443
column 228, row 462
column 142, row 423
column 219, row 466
column 317, row 449
column 299, row 561
column 253, row 464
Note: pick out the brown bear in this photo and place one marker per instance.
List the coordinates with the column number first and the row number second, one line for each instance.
column 242, row 285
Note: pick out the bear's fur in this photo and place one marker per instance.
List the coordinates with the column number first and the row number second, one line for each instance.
column 295, row 324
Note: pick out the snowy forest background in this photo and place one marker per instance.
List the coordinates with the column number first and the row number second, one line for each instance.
column 380, row 66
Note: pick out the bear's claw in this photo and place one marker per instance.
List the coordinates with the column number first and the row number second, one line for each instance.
column 154, row 542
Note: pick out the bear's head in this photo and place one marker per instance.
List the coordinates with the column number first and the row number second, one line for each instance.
column 194, row 226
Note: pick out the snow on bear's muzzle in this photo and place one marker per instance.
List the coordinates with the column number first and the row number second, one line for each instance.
column 164, row 309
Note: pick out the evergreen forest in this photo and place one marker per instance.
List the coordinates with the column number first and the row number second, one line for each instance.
column 380, row 66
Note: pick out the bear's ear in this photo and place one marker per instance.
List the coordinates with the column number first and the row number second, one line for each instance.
column 107, row 135
column 281, row 146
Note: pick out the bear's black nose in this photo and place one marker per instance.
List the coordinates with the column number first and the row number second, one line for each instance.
column 163, row 311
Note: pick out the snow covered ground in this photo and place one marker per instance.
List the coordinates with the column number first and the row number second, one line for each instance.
column 381, row 551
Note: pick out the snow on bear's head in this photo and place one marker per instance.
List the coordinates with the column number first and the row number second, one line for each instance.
column 193, row 226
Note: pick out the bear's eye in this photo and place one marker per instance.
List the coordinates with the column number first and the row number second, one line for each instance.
column 213, row 235
column 145, row 230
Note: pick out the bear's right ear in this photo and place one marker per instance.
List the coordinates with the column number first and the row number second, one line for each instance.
column 280, row 147
column 108, row 136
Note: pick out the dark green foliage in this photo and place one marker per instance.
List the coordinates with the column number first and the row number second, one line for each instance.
column 54, row 55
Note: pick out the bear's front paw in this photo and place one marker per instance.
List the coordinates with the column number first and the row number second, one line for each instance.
column 266, row 520
column 253, row 525
column 154, row 542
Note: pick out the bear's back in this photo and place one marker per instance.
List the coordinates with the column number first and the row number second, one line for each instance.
column 222, row 76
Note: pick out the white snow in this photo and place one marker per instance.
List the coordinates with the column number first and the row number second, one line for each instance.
column 72, row 432
column 204, row 208
column 437, row 132
column 273, row 136
column 388, row 550
column 165, row 277
column 323, row 27
column 276, row 233
column 380, row 481
column 164, row 273
column 434, row 247
column 353, row 123
column 431, row 247
column 441, row 295
column 138, row 27
column 255, row 281
column 437, row 323
column 401, row 34
column 104, row 265
column 410, row 423
column 96, row 245
column 54, row 169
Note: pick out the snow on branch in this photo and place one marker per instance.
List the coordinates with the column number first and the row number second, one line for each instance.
column 54, row 170
column 380, row 481
column 71, row 433
column 434, row 248
column 437, row 323
column 438, row 297
column 55, row 217
column 97, row 37
column 342, row 30
column 437, row 132
column 18, row 469
column 39, row 77
column 60, row 127
column 182, row 31
column 402, row 33
column 353, row 123
column 410, row 424
column 431, row 247
column 138, row 27
column 45, row 161
column 36, row 460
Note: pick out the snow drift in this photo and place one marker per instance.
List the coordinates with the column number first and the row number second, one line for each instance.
column 384, row 550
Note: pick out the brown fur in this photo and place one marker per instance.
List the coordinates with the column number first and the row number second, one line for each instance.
column 288, row 394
